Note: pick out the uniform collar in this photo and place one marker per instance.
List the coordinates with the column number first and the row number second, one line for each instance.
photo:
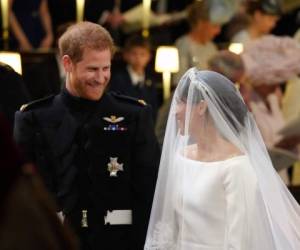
column 78, row 103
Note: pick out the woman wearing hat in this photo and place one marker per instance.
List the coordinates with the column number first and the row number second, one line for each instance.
column 263, row 15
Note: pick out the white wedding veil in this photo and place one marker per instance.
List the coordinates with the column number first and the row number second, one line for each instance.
column 209, row 124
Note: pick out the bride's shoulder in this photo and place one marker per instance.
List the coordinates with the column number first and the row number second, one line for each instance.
column 239, row 166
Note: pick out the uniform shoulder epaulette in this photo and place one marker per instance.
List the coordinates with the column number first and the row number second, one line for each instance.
column 36, row 103
column 129, row 99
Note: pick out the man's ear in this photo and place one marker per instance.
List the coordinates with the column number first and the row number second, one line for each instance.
column 67, row 63
column 202, row 107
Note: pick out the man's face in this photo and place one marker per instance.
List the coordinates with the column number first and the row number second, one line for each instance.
column 138, row 58
column 89, row 77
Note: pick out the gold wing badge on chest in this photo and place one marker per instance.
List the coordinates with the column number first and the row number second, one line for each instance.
column 113, row 126
column 113, row 167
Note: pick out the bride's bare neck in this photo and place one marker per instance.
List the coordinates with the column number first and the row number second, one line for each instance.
column 212, row 147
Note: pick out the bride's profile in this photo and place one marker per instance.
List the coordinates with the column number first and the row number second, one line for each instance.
column 217, row 188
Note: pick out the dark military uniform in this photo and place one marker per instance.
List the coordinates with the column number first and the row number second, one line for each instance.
column 99, row 159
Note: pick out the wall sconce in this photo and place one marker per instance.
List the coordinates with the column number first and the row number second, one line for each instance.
column 166, row 62
column 236, row 48
column 79, row 10
column 13, row 60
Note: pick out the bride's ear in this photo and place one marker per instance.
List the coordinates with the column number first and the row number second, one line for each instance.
column 202, row 107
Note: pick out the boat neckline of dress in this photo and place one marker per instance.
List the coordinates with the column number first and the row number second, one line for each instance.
column 233, row 158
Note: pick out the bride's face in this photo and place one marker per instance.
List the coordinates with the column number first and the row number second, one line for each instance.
column 180, row 115
column 195, row 118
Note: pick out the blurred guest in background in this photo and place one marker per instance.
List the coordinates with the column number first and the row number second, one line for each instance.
column 134, row 79
column 30, row 22
column 205, row 19
column 110, row 15
column 263, row 15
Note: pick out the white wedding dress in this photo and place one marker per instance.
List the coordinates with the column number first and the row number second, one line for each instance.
column 235, row 204
column 213, row 195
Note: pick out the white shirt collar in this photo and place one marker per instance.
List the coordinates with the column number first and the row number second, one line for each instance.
column 135, row 78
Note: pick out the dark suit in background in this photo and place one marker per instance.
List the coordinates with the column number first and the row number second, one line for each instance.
column 121, row 82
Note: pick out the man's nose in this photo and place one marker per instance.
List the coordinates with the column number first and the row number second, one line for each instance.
column 100, row 77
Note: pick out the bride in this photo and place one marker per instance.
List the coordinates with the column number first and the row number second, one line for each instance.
column 217, row 188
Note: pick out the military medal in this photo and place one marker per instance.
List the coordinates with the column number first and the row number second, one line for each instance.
column 84, row 222
column 114, row 167
column 113, row 126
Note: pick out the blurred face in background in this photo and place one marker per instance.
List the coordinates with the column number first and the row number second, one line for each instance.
column 207, row 30
column 265, row 90
column 264, row 22
column 89, row 77
column 138, row 58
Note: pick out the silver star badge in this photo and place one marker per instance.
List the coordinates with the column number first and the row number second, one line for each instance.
column 114, row 166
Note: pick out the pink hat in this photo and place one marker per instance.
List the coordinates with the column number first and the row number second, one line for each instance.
column 271, row 60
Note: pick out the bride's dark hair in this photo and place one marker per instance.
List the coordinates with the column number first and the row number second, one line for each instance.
column 228, row 97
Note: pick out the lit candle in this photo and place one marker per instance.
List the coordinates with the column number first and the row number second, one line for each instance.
column 146, row 17
column 4, row 12
column 79, row 10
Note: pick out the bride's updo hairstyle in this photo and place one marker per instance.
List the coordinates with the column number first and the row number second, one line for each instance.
column 227, row 97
